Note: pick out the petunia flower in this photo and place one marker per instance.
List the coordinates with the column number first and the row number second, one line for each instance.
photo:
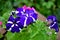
column 27, row 15
column 54, row 24
column 14, row 24
column 24, row 16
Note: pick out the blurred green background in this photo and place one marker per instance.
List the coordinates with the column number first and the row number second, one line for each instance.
column 45, row 7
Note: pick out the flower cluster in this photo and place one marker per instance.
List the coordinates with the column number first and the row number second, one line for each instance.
column 25, row 16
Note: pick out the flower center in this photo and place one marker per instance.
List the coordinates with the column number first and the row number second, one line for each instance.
column 14, row 22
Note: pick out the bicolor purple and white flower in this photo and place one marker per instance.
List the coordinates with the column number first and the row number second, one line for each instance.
column 14, row 24
column 54, row 23
column 27, row 15
column 24, row 16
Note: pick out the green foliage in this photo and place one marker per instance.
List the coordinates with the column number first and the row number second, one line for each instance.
column 1, row 35
column 58, row 15
column 44, row 7
column 35, row 31
column 40, row 5
column 5, row 18
column 4, row 6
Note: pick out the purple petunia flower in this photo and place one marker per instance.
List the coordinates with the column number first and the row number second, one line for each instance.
column 24, row 16
column 27, row 15
column 14, row 24
column 54, row 23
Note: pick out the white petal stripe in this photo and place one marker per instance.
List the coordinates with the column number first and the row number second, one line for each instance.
column 19, row 28
column 22, row 12
column 10, row 29
column 54, row 24
column 16, row 24
column 18, row 21
column 16, row 12
column 33, row 18
column 25, row 21
column 10, row 22
column 12, row 25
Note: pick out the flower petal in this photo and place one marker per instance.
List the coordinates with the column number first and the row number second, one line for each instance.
column 22, row 19
column 8, row 25
column 29, row 11
column 25, row 22
column 15, row 29
column 11, row 18
column 20, row 10
column 24, row 7
column 10, row 22
column 29, row 20
column 34, row 16
column 20, row 25
column 17, row 19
